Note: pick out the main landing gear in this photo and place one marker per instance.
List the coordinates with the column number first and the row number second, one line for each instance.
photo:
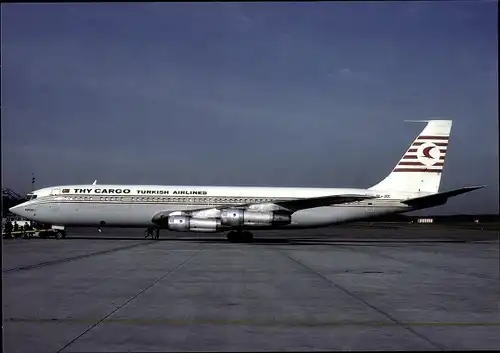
column 239, row 236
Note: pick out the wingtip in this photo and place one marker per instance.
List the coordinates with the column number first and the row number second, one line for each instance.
column 433, row 120
column 474, row 187
column 477, row 187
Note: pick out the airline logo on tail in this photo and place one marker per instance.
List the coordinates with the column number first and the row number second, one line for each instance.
column 426, row 154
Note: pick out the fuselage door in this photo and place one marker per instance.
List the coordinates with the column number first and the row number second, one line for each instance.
column 54, row 206
column 370, row 207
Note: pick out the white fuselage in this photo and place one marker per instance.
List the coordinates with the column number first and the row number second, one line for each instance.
column 415, row 177
column 135, row 205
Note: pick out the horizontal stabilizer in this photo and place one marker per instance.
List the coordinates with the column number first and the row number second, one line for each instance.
column 439, row 198
column 312, row 202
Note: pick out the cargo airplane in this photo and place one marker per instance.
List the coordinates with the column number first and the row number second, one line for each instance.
column 413, row 184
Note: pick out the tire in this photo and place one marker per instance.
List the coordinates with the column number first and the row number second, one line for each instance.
column 247, row 236
column 234, row 237
column 239, row 237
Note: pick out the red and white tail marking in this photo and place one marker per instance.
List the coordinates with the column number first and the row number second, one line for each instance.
column 426, row 154
column 420, row 169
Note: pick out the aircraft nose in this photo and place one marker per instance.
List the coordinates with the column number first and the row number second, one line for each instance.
column 17, row 210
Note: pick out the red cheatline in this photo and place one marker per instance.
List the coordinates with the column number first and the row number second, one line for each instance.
column 436, row 143
column 419, row 163
column 419, row 170
column 414, row 156
column 428, row 137
column 443, row 150
column 409, row 163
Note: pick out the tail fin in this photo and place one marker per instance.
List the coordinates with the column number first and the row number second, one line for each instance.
column 420, row 168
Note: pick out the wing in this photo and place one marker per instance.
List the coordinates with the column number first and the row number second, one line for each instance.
column 300, row 204
column 290, row 205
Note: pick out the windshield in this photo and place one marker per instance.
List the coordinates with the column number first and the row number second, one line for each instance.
column 31, row 196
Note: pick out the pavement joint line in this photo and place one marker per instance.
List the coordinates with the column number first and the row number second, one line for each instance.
column 419, row 263
column 353, row 295
column 129, row 300
column 73, row 258
column 229, row 322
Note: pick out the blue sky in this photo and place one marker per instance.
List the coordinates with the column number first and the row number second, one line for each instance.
column 275, row 94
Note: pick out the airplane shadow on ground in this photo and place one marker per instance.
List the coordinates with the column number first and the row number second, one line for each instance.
column 288, row 241
column 314, row 242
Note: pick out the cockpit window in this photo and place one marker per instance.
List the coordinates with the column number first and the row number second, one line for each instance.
column 31, row 196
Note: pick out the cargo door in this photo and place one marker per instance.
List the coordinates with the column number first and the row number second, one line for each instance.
column 54, row 205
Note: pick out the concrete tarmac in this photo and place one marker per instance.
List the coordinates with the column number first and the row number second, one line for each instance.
column 358, row 288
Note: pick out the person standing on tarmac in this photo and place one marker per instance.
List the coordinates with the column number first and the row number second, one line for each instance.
column 15, row 229
column 8, row 229
column 28, row 230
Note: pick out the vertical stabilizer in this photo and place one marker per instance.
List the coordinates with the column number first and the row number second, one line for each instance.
column 420, row 168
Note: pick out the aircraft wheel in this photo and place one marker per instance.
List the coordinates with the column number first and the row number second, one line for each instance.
column 239, row 237
column 232, row 236
column 246, row 236
column 59, row 234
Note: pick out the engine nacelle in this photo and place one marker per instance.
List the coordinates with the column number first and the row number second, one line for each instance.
column 234, row 217
column 187, row 224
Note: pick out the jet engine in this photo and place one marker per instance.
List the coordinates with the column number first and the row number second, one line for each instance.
column 229, row 218
column 187, row 224
column 238, row 217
